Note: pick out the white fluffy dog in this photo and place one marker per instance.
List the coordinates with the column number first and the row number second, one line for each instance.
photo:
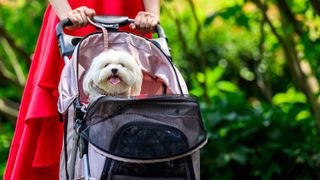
column 113, row 73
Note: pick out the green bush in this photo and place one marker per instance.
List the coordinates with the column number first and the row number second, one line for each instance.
column 262, row 142
column 6, row 133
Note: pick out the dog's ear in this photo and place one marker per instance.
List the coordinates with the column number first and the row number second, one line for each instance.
column 87, row 84
column 136, row 88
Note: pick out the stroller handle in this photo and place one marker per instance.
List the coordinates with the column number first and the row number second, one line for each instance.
column 67, row 42
column 109, row 22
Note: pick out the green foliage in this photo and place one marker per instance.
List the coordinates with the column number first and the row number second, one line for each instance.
column 6, row 133
column 250, row 137
column 264, row 142
column 21, row 21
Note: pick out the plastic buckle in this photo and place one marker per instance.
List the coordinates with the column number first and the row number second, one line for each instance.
column 112, row 27
column 79, row 124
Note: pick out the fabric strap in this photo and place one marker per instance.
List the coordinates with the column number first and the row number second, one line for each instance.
column 104, row 32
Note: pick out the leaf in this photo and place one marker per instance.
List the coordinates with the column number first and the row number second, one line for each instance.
column 209, row 19
column 239, row 157
column 231, row 12
column 243, row 20
column 227, row 86
column 291, row 96
column 226, row 14
column 201, row 77
column 213, row 75
column 303, row 115
column 223, row 159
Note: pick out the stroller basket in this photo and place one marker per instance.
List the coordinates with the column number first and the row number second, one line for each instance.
column 157, row 135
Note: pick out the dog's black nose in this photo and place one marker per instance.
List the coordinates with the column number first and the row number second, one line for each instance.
column 114, row 70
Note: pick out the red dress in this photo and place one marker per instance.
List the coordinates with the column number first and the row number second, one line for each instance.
column 36, row 146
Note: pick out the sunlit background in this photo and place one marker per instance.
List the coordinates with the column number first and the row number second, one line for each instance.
column 254, row 64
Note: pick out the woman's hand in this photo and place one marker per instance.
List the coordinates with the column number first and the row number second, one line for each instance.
column 78, row 16
column 145, row 22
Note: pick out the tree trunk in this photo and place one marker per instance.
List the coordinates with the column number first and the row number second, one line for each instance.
column 299, row 77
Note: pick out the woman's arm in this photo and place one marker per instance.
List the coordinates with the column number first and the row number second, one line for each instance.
column 61, row 7
column 152, row 6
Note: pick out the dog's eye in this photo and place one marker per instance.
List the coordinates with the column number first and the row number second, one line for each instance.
column 121, row 65
column 106, row 65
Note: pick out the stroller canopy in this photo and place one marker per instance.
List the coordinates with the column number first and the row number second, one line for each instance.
column 157, row 67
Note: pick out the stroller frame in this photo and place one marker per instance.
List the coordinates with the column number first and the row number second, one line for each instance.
column 67, row 45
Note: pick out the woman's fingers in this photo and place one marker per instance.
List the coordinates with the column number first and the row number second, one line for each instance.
column 89, row 12
column 84, row 18
column 74, row 19
column 78, row 16
column 145, row 22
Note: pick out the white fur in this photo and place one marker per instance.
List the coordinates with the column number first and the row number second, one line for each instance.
column 100, row 72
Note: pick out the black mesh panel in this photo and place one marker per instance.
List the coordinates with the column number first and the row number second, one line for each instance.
column 147, row 140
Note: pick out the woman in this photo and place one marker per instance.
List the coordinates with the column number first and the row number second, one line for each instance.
column 36, row 146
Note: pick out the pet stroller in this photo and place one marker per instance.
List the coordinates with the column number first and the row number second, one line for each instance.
column 154, row 136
